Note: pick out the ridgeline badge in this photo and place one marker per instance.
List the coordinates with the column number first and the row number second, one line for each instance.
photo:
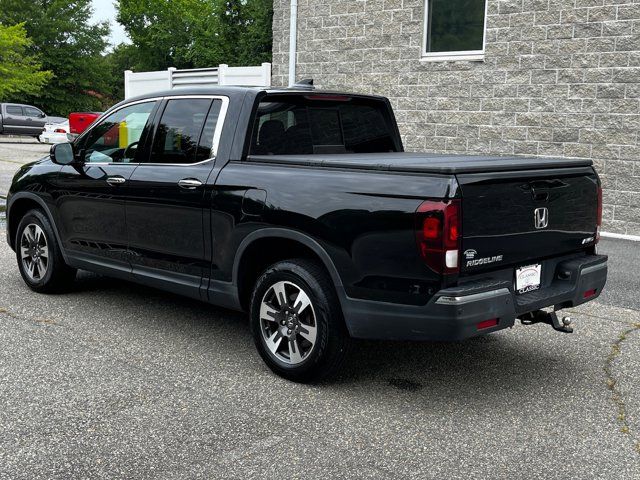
column 472, row 261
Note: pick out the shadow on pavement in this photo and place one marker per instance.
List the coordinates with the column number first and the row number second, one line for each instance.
column 479, row 366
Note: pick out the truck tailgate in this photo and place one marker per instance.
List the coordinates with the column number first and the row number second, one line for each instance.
column 516, row 218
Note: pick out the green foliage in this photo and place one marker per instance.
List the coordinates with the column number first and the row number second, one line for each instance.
column 164, row 33
column 67, row 45
column 20, row 72
column 121, row 58
column 256, row 42
column 161, row 30
column 196, row 33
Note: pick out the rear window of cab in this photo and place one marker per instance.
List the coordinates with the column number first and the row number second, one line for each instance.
column 322, row 124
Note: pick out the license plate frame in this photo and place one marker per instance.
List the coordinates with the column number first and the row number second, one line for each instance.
column 528, row 278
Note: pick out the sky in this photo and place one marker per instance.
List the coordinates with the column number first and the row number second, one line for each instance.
column 104, row 10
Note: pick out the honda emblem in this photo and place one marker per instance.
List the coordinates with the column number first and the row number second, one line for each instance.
column 541, row 217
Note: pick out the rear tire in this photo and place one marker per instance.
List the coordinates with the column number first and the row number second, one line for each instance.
column 297, row 323
column 39, row 256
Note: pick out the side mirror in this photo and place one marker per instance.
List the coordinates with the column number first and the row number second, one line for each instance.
column 42, row 115
column 62, row 153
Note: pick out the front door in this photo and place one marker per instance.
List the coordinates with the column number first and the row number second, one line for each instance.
column 165, row 210
column 35, row 120
column 91, row 194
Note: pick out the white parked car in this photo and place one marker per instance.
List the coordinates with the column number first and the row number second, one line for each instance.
column 55, row 132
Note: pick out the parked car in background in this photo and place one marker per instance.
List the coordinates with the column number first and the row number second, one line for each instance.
column 55, row 120
column 79, row 121
column 18, row 119
column 55, row 132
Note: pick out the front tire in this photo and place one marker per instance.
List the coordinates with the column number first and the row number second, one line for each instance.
column 39, row 256
column 297, row 323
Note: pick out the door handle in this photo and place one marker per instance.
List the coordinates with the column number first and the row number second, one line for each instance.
column 117, row 180
column 189, row 183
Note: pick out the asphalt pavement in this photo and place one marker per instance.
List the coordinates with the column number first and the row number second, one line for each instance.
column 15, row 151
column 115, row 380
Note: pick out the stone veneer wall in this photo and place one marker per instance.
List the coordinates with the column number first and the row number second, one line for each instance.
column 560, row 78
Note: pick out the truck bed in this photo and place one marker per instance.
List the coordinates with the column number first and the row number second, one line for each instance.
column 423, row 162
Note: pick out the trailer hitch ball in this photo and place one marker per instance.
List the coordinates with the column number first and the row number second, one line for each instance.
column 550, row 318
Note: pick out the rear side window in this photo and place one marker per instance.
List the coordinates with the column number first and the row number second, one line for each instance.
column 14, row 110
column 317, row 124
column 185, row 131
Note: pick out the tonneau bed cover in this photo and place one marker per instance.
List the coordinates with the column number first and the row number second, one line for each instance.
column 423, row 162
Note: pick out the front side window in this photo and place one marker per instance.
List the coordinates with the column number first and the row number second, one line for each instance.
column 317, row 124
column 33, row 112
column 185, row 131
column 454, row 29
column 116, row 138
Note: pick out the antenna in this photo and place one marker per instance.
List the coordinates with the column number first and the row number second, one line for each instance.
column 306, row 84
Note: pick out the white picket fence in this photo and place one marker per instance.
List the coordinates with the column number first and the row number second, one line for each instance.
column 140, row 83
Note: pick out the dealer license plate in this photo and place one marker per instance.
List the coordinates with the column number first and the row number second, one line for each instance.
column 528, row 278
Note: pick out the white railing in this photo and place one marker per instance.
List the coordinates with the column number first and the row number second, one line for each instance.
column 140, row 83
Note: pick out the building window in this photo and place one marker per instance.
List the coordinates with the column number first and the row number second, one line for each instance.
column 454, row 29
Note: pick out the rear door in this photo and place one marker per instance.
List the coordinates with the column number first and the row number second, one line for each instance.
column 13, row 119
column 166, row 209
column 514, row 218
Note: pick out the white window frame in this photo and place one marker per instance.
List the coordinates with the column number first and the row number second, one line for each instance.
column 216, row 135
column 466, row 55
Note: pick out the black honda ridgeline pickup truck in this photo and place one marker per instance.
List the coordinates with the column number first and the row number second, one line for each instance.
column 300, row 207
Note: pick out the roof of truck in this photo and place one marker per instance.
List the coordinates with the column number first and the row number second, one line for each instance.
column 231, row 90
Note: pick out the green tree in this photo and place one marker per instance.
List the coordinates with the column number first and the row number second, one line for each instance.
column 121, row 58
column 69, row 46
column 163, row 31
column 197, row 33
column 257, row 38
column 20, row 72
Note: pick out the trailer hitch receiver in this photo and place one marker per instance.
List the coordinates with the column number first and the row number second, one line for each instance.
column 550, row 318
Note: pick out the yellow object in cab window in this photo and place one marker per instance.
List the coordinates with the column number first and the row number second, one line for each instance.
column 123, row 135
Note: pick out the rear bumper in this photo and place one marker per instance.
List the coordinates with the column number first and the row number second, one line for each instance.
column 53, row 138
column 454, row 313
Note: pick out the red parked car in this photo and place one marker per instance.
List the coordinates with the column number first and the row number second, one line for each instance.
column 79, row 121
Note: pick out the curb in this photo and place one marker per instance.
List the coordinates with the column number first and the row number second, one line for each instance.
column 621, row 236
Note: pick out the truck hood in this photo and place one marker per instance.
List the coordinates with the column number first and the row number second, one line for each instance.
column 423, row 162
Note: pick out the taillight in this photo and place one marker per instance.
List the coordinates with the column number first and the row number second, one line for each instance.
column 59, row 130
column 438, row 233
column 599, row 214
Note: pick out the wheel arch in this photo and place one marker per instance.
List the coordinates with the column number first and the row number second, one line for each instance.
column 250, row 260
column 20, row 204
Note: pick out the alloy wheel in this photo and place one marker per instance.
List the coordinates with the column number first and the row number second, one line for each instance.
column 34, row 252
column 288, row 322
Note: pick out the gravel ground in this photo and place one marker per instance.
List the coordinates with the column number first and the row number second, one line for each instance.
column 115, row 380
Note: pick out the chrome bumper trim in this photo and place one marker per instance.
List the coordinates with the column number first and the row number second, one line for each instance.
column 476, row 297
